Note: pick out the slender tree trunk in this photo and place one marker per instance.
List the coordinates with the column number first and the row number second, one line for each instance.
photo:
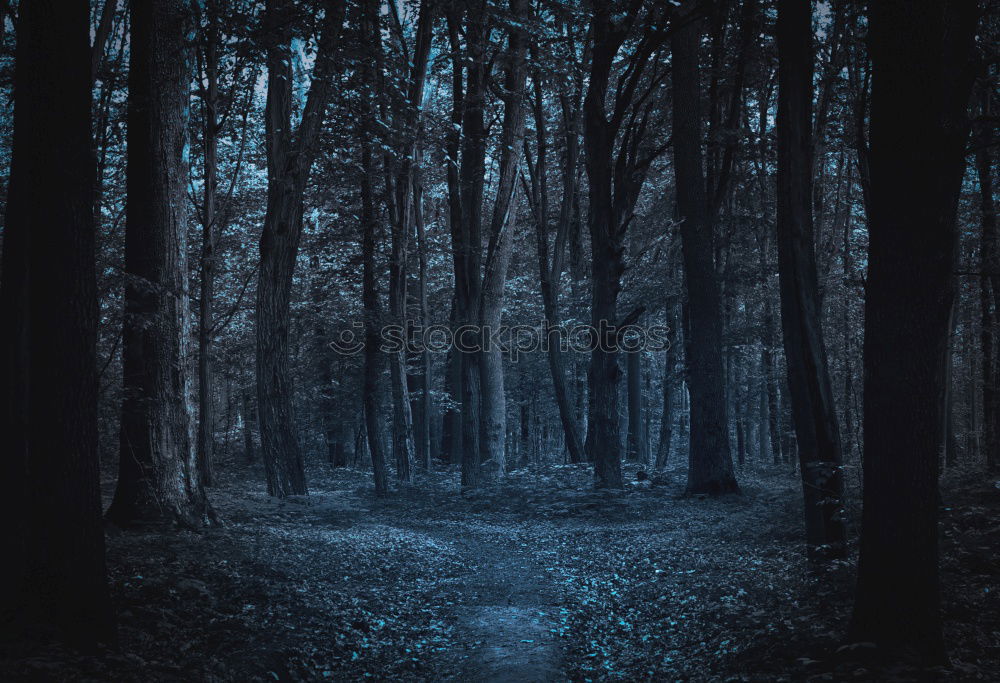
column 666, row 421
column 710, row 462
column 636, row 448
column 54, row 581
column 369, row 292
column 249, row 420
column 158, row 472
column 465, row 193
column 424, row 444
column 813, row 410
column 289, row 159
column 920, row 90
column 101, row 35
column 501, row 244
column 550, row 269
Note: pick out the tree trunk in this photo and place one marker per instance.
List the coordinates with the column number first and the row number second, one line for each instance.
column 289, row 159
column 636, row 449
column 249, row 415
column 989, row 283
column 667, row 418
column 550, row 269
column 210, row 130
column 813, row 410
column 710, row 462
column 920, row 91
column 369, row 292
column 615, row 183
column 424, row 443
column 158, row 471
column 54, row 581
column 501, row 243
column 465, row 195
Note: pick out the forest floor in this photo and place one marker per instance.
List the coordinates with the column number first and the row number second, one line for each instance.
column 538, row 578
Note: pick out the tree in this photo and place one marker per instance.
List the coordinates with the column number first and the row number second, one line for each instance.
column 290, row 156
column 493, row 402
column 369, row 292
column 921, row 80
column 550, row 268
column 637, row 450
column 710, row 467
column 616, row 169
column 813, row 410
column 54, row 577
column 217, row 109
column 989, row 289
column 158, row 478
column 466, row 151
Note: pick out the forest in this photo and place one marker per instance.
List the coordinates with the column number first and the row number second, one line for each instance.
column 500, row 340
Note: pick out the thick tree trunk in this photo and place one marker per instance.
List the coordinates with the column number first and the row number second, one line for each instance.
column 921, row 85
column 989, row 302
column 710, row 462
column 158, row 477
column 206, row 379
column 813, row 410
column 53, row 582
column 289, row 159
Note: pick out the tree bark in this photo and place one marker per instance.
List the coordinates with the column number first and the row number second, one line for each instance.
column 989, row 297
column 813, row 410
column 710, row 467
column 920, row 91
column 53, row 582
column 158, row 478
column 289, row 159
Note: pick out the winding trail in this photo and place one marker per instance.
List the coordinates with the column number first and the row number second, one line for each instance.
column 505, row 618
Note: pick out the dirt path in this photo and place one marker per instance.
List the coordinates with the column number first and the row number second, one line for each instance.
column 505, row 618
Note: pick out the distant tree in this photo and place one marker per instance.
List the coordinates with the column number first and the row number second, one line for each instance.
column 157, row 472
column 53, row 582
column 921, row 80
column 290, row 154
column 813, row 409
column 551, row 261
